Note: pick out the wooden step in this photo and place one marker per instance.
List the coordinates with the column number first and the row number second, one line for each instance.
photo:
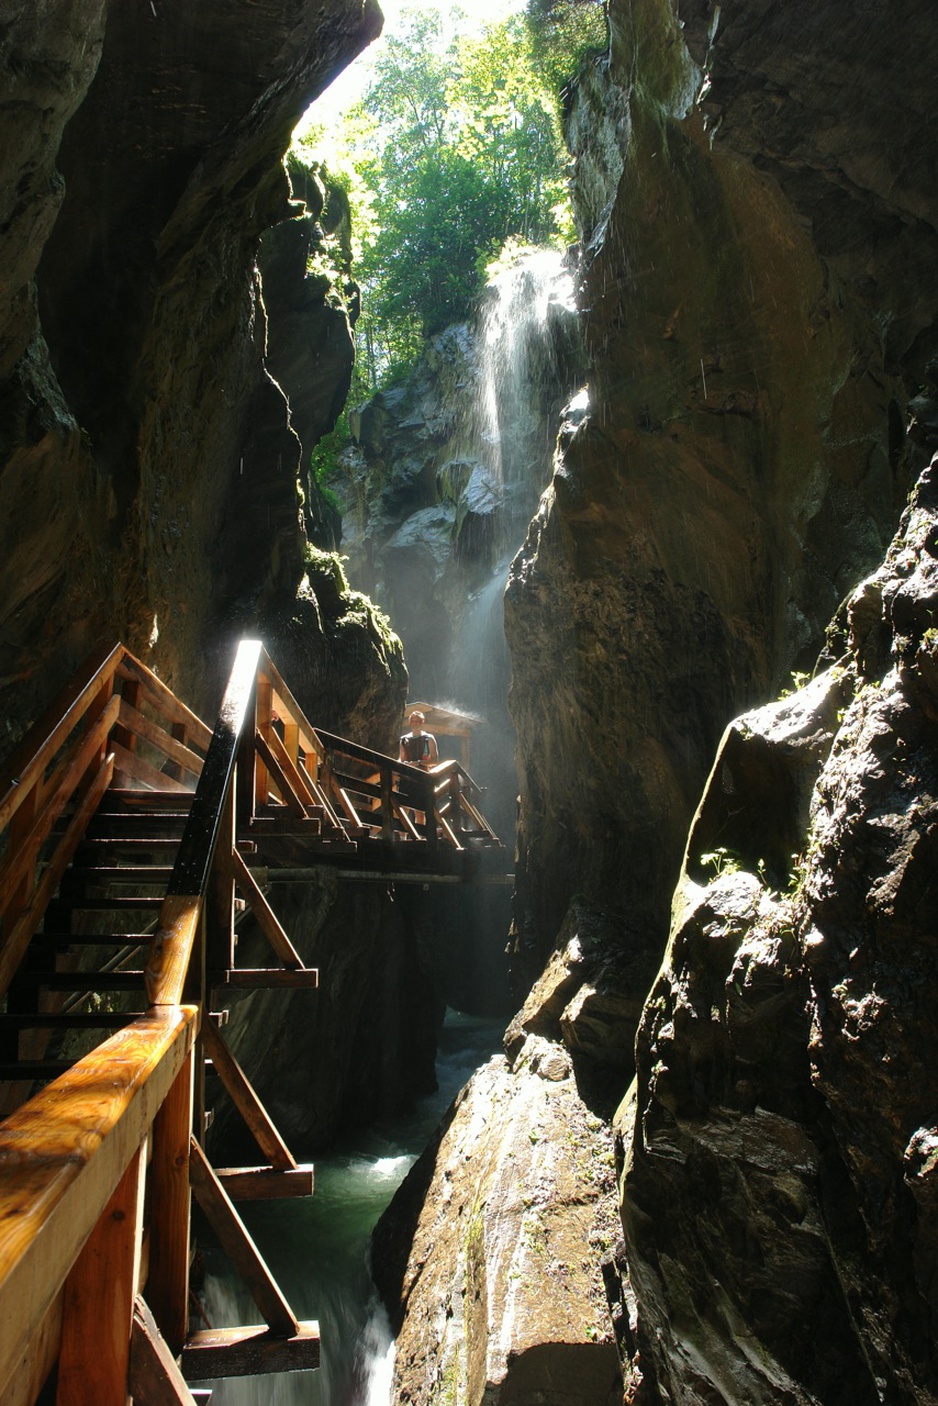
column 63, row 940
column 121, row 873
column 266, row 1183
column 68, row 1020
column 32, row 1069
column 248, row 1352
column 78, row 981
column 134, row 799
column 86, row 904
column 266, row 978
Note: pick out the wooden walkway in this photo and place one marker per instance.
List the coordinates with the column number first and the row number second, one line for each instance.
column 132, row 838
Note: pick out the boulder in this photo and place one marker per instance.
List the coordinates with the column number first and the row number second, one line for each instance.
column 488, row 1257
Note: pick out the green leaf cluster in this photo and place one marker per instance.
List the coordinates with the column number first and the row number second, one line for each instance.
column 455, row 148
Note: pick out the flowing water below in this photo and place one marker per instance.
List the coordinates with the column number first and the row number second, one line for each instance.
column 318, row 1248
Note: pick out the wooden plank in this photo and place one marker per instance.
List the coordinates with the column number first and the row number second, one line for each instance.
column 22, row 855
column 155, row 1377
column 270, row 978
column 37, row 1359
column 265, row 915
column 263, row 709
column 238, row 1245
column 299, row 779
column 220, row 899
column 267, row 1183
column 17, row 940
column 40, row 744
column 98, row 1307
column 164, row 700
column 248, row 1352
column 168, row 1279
column 287, row 702
column 61, row 1156
column 197, row 847
column 294, row 801
column 140, row 726
column 262, row 1128
column 171, row 948
column 129, row 764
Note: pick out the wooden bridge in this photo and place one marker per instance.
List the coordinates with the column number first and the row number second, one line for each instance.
column 131, row 838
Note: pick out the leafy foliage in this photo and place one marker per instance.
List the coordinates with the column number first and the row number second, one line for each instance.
column 455, row 148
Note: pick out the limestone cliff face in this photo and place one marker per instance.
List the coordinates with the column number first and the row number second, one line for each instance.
column 779, row 1147
column 759, row 290
column 148, row 466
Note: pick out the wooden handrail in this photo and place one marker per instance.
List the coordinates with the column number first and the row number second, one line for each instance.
column 40, row 744
column 171, row 951
column 61, row 1156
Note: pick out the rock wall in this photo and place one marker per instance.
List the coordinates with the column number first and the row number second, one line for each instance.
column 758, row 286
column 147, row 465
column 150, row 456
column 779, row 1147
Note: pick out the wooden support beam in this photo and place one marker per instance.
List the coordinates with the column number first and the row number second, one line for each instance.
column 163, row 700
column 62, row 1154
column 294, row 801
column 136, row 725
column 265, row 915
column 266, row 1183
column 24, row 769
column 262, row 1127
column 155, row 1377
column 99, row 1301
column 248, row 1352
column 171, row 949
column 168, row 1280
column 34, row 829
column 17, row 939
column 129, row 764
column 269, row 979
column 240, row 1248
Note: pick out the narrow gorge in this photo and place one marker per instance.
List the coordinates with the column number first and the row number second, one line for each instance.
column 659, row 521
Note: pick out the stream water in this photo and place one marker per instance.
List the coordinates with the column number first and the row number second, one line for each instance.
column 318, row 1248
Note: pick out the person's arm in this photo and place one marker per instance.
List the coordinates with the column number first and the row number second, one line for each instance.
column 401, row 754
column 433, row 755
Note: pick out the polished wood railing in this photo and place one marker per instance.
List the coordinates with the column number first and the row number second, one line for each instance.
column 353, row 792
column 96, row 1169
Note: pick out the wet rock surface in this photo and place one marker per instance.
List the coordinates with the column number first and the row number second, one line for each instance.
column 489, row 1255
column 758, row 308
column 147, row 466
column 778, row 1152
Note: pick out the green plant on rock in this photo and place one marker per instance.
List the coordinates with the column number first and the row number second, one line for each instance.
column 721, row 861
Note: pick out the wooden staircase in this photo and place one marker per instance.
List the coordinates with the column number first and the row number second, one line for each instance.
column 133, row 841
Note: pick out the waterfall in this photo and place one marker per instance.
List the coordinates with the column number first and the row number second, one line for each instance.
column 525, row 355
column 525, row 337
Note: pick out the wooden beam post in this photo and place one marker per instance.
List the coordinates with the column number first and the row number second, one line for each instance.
column 262, row 1128
column 155, row 1377
column 98, row 1305
column 168, row 1280
column 238, row 1245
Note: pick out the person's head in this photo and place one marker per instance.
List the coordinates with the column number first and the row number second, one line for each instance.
column 416, row 720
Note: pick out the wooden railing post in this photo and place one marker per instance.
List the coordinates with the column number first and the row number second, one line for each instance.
column 98, row 1306
column 168, row 1280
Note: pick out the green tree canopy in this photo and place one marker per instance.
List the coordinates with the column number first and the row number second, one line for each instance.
column 455, row 149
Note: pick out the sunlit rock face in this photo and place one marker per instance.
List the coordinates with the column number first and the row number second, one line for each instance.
column 779, row 1147
column 759, row 292
column 148, row 467
column 489, row 1256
